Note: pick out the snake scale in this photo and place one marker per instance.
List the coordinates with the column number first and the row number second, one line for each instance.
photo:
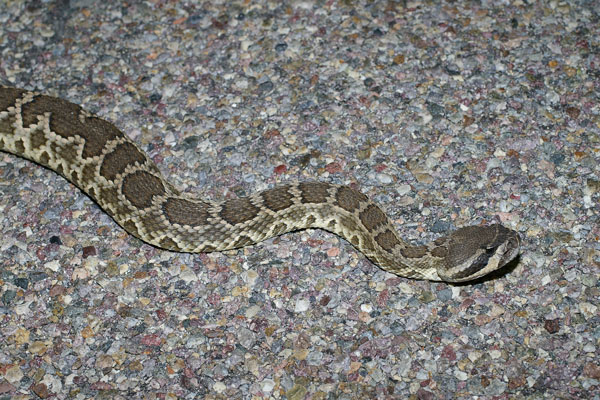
column 105, row 164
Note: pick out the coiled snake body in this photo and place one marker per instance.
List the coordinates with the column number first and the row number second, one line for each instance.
column 98, row 158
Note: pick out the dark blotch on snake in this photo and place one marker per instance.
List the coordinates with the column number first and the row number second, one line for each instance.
column 349, row 199
column 387, row 240
column 314, row 192
column 20, row 146
column 238, row 211
column 185, row 212
column 277, row 199
column 9, row 96
column 414, row 252
column 140, row 187
column 122, row 156
column 372, row 217
column 65, row 121
column 37, row 139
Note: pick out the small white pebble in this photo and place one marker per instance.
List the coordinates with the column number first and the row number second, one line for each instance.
column 546, row 280
column 455, row 292
column 474, row 355
column 403, row 189
column 437, row 153
column 250, row 277
column 252, row 311
column 589, row 348
column 170, row 138
column 461, row 375
column 13, row 374
column 301, row 305
column 53, row 265
column 268, row 385
column 188, row 275
column 219, row 387
column 384, row 178
column 588, row 310
column 426, row 117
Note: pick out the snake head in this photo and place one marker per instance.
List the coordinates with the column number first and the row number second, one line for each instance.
column 475, row 251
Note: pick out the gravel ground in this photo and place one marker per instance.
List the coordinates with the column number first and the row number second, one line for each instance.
column 446, row 114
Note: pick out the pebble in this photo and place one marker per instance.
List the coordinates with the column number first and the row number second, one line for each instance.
column 268, row 385
column 246, row 338
column 274, row 94
column 384, row 178
column 13, row 374
column 301, row 305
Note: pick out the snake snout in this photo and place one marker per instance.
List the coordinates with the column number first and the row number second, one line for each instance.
column 512, row 247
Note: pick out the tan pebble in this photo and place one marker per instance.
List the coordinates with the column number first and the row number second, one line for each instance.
column 21, row 336
column 87, row 332
column 424, row 178
column 144, row 301
column 482, row 320
column 13, row 374
column 399, row 59
column 104, row 361
column 588, row 310
column 496, row 311
column 239, row 290
column 364, row 317
column 570, row 71
column 269, row 330
column 297, row 392
column 80, row 273
column 354, row 366
column 300, row 354
column 136, row 366
column 41, row 390
column 38, row 347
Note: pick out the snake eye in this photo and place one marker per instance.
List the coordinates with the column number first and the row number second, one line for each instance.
column 484, row 258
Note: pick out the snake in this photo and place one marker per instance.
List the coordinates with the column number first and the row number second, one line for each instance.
column 112, row 170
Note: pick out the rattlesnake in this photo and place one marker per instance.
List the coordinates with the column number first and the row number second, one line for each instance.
column 103, row 162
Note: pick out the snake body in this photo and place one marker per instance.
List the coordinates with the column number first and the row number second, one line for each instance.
column 105, row 164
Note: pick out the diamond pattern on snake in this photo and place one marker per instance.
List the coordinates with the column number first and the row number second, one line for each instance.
column 111, row 169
